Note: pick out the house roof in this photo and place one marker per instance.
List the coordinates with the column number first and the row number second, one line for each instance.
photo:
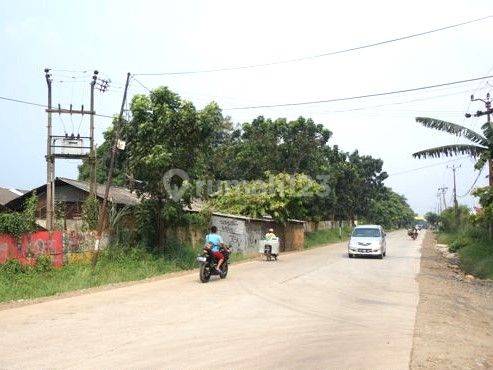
column 117, row 194
column 6, row 195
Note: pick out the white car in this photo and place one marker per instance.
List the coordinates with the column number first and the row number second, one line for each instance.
column 367, row 240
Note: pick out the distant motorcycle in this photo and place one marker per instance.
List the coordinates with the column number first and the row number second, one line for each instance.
column 208, row 265
column 413, row 234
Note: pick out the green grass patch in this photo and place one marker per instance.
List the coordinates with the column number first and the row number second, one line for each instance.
column 476, row 258
column 474, row 249
column 322, row 237
column 115, row 265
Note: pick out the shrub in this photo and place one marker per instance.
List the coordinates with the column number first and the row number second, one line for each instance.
column 12, row 267
column 44, row 263
column 18, row 223
column 457, row 244
column 90, row 212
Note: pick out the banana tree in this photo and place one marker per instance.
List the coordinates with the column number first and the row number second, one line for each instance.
column 481, row 148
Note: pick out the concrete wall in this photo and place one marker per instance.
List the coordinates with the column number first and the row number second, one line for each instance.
column 244, row 234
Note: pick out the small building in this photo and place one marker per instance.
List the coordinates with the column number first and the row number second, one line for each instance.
column 69, row 197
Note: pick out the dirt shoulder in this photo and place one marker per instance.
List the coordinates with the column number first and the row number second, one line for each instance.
column 454, row 320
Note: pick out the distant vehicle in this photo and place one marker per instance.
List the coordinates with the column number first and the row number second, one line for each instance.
column 367, row 240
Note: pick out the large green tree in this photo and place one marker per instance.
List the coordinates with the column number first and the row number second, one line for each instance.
column 167, row 133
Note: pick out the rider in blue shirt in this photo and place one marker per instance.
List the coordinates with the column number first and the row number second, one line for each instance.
column 215, row 242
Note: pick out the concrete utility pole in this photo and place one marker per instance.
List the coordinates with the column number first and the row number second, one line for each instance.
column 114, row 148
column 49, row 160
column 439, row 202
column 442, row 191
column 488, row 112
column 92, row 153
column 69, row 143
column 456, row 204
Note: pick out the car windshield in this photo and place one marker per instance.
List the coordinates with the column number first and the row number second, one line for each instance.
column 366, row 232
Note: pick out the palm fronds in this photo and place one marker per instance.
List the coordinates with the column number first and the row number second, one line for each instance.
column 454, row 129
column 451, row 150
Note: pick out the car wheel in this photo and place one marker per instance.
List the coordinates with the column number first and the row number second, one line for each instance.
column 380, row 256
column 384, row 253
column 350, row 255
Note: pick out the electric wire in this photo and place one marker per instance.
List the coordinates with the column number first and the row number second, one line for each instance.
column 44, row 106
column 357, row 97
column 325, row 54
column 424, row 167
column 473, row 184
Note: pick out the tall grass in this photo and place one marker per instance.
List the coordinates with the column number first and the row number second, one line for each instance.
column 322, row 237
column 116, row 264
column 474, row 248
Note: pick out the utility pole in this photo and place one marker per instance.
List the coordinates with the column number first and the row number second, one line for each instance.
column 439, row 203
column 488, row 112
column 442, row 191
column 49, row 159
column 92, row 153
column 71, row 146
column 114, row 148
column 456, row 204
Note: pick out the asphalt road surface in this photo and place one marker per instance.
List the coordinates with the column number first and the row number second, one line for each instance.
column 316, row 309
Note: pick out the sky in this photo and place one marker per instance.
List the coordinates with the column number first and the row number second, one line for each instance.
column 116, row 37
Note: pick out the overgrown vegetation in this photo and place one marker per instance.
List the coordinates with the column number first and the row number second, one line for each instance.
column 321, row 237
column 470, row 238
column 280, row 196
column 90, row 212
column 118, row 263
column 18, row 223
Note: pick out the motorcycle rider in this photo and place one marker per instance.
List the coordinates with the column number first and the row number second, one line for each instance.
column 270, row 235
column 413, row 232
column 214, row 242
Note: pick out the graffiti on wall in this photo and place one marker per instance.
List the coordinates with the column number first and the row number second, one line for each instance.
column 233, row 231
column 29, row 246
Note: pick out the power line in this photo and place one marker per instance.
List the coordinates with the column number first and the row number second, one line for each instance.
column 299, row 59
column 473, row 184
column 42, row 105
column 140, row 83
column 359, row 96
column 428, row 166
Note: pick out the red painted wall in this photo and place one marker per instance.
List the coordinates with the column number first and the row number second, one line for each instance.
column 31, row 246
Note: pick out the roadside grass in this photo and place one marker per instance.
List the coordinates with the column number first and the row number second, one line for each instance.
column 475, row 251
column 116, row 264
column 322, row 237
column 477, row 259
column 24, row 282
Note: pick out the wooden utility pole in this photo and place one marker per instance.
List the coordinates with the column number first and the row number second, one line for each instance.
column 114, row 148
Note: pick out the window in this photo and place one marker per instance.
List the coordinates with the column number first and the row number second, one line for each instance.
column 366, row 232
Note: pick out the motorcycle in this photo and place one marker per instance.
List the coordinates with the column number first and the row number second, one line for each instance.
column 412, row 234
column 208, row 264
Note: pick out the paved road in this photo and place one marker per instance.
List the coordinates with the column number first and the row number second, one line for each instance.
column 316, row 309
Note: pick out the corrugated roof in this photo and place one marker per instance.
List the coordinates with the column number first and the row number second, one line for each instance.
column 6, row 195
column 117, row 194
